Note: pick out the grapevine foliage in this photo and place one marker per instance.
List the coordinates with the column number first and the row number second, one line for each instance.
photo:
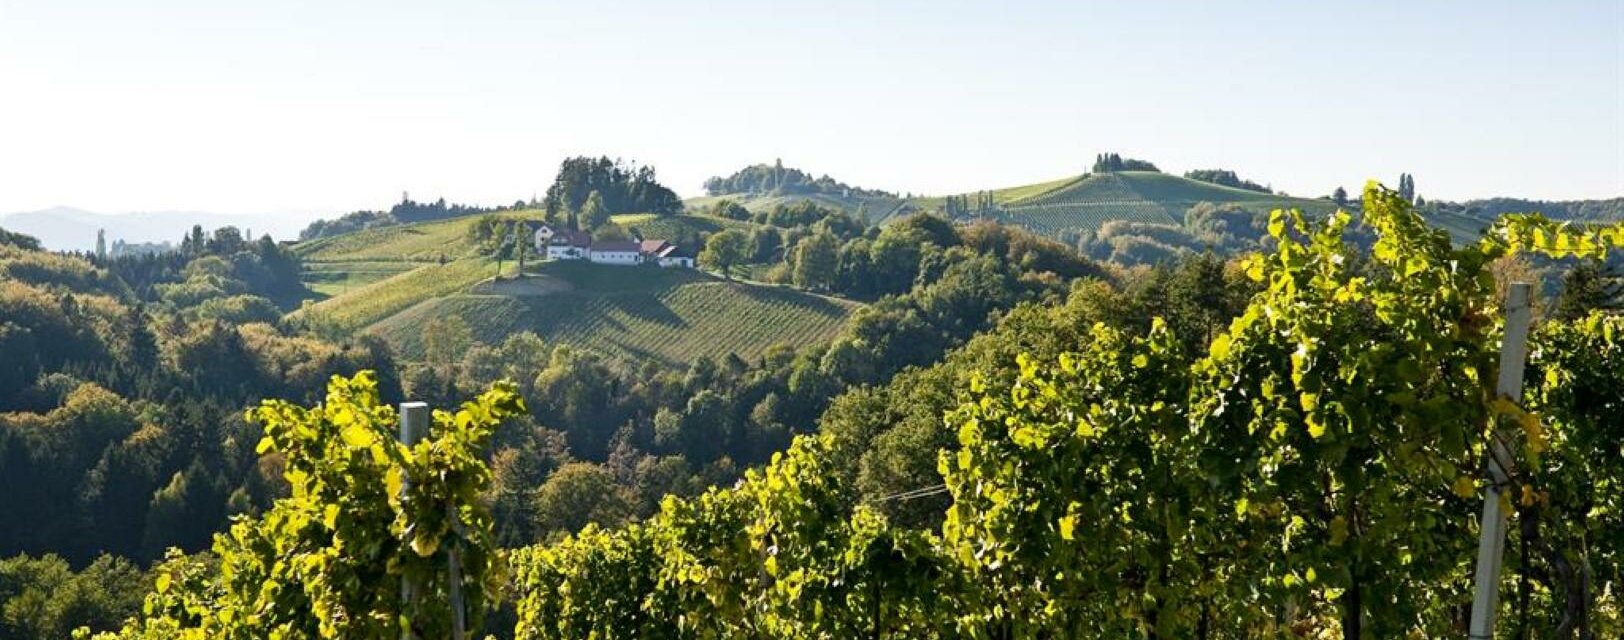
column 365, row 513
column 778, row 556
column 1318, row 471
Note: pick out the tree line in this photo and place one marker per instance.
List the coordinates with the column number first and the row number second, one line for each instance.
column 1112, row 162
column 1226, row 178
column 620, row 188
column 775, row 179
column 407, row 211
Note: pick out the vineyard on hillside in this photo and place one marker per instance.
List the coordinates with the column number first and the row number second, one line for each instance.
column 877, row 209
column 638, row 314
column 332, row 279
column 1089, row 203
column 358, row 308
column 677, row 227
column 424, row 242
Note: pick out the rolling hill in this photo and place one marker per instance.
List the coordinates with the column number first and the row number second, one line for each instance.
column 678, row 227
column 391, row 282
column 878, row 209
column 1086, row 203
column 670, row 316
column 1061, row 207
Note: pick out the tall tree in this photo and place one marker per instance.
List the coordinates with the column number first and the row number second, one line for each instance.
column 816, row 261
column 723, row 250
column 594, row 213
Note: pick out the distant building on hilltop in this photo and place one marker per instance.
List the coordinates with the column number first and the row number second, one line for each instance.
column 564, row 244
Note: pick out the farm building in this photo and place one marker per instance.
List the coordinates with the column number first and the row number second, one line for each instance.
column 564, row 244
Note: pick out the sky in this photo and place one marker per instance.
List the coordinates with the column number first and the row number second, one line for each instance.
column 317, row 107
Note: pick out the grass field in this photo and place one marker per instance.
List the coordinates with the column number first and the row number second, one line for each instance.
column 670, row 316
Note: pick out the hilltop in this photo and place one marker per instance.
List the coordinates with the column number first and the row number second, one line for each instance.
column 1059, row 208
column 761, row 187
column 392, row 281
column 1087, row 202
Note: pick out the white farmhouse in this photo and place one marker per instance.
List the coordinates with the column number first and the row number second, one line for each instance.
column 563, row 244
column 619, row 252
column 666, row 254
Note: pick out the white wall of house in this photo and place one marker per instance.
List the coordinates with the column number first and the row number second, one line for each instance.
column 687, row 263
column 615, row 257
column 565, row 252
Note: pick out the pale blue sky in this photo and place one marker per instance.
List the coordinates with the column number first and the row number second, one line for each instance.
column 323, row 106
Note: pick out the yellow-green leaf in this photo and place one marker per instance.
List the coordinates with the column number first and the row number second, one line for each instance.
column 356, row 435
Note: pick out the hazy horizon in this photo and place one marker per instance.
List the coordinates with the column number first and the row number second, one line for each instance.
column 323, row 109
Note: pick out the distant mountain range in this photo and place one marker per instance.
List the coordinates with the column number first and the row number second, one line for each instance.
column 71, row 229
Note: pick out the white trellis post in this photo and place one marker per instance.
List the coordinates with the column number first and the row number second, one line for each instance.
column 1492, row 539
column 454, row 578
column 414, row 423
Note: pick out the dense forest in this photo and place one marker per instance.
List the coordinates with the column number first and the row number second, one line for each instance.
column 1005, row 427
column 609, row 187
column 122, row 385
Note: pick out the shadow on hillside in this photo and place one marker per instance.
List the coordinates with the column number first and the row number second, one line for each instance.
column 792, row 297
column 647, row 308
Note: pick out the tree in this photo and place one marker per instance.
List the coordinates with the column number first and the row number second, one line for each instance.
column 43, row 597
column 521, row 243
column 816, row 260
column 1340, row 196
column 765, row 243
column 1589, row 286
column 729, row 209
column 19, row 240
column 594, row 213
column 723, row 250
column 101, row 244
column 1406, row 187
column 576, row 494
